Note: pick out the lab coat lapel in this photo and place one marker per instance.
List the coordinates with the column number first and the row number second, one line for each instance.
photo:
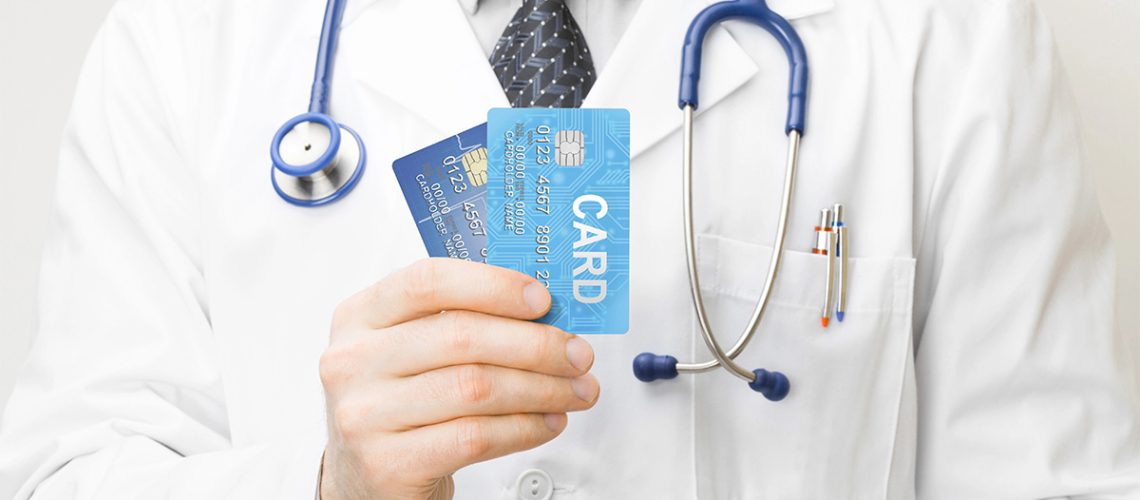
column 642, row 74
column 423, row 55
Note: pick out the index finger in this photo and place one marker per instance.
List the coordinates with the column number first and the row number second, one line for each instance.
column 433, row 285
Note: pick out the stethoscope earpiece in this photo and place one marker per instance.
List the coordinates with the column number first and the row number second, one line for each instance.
column 773, row 385
column 649, row 367
column 316, row 160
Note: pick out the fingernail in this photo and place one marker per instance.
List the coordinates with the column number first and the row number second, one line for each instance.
column 536, row 297
column 580, row 353
column 584, row 387
column 555, row 421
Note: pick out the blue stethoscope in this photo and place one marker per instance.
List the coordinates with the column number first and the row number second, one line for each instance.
column 317, row 161
column 648, row 367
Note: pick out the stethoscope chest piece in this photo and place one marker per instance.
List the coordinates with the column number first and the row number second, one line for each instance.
column 316, row 160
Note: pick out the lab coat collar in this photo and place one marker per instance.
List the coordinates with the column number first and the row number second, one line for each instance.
column 449, row 83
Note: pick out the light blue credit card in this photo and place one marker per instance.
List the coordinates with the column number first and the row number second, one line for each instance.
column 558, row 209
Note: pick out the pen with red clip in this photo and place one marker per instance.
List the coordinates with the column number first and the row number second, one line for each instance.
column 824, row 243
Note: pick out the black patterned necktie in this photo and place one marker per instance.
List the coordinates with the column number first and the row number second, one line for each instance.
column 542, row 59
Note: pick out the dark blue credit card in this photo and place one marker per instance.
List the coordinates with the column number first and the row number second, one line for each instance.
column 445, row 187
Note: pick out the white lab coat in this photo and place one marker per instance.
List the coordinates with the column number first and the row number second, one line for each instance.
column 184, row 306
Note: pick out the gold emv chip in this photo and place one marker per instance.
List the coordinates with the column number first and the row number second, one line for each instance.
column 475, row 164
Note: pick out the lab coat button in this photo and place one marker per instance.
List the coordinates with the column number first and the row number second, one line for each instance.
column 535, row 484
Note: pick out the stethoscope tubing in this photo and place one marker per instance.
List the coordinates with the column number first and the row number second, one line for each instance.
column 758, row 13
column 326, row 56
column 721, row 357
column 648, row 366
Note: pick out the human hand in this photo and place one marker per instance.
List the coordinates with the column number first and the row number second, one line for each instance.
column 436, row 368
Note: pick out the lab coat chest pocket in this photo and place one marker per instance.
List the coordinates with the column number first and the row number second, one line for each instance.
column 836, row 434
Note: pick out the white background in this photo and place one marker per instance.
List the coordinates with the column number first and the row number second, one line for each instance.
column 42, row 44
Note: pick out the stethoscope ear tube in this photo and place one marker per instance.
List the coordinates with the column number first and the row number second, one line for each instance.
column 326, row 56
column 649, row 367
column 757, row 12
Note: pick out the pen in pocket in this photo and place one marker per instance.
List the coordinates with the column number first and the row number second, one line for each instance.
column 841, row 257
column 824, row 243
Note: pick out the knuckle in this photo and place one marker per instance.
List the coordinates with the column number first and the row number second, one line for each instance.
column 473, row 383
column 457, row 332
column 535, row 426
column 553, row 394
column 419, row 283
column 531, row 431
column 506, row 294
column 343, row 314
column 335, row 366
column 350, row 419
column 473, row 439
column 546, row 345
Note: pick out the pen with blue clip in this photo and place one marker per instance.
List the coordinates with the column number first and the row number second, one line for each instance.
column 840, row 230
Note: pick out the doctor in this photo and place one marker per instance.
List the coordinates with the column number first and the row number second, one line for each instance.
column 185, row 347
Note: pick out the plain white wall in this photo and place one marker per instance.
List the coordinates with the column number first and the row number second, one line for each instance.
column 1098, row 40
